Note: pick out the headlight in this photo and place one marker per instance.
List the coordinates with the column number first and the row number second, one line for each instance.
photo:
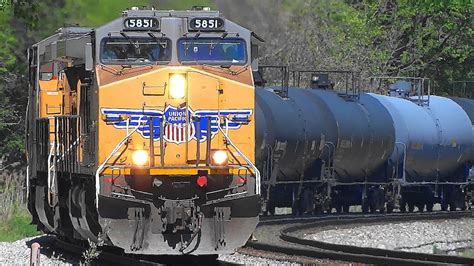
column 219, row 157
column 140, row 157
column 177, row 86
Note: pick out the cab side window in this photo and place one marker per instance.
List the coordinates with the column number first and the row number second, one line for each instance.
column 46, row 71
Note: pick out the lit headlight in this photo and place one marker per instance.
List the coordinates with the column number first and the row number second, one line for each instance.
column 219, row 157
column 177, row 86
column 140, row 157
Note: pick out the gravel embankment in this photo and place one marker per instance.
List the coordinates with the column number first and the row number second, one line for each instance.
column 440, row 236
column 252, row 260
column 18, row 253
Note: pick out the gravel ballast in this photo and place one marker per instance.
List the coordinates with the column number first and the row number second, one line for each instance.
column 18, row 253
column 437, row 236
column 252, row 260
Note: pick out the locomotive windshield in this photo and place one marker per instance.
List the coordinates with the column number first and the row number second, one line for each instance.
column 135, row 50
column 212, row 51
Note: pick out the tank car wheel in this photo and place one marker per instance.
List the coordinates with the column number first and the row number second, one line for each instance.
column 372, row 208
column 345, row 208
column 429, row 207
column 296, row 209
column 390, row 207
column 444, row 206
column 339, row 209
column 270, row 210
column 329, row 210
column 411, row 207
column 365, row 208
column 403, row 206
column 452, row 207
column 318, row 209
column 421, row 207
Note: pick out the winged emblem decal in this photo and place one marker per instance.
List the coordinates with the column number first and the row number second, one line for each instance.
column 174, row 124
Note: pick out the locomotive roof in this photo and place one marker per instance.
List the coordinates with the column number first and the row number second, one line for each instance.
column 170, row 13
column 173, row 24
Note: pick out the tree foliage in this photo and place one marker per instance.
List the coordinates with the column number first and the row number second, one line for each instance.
column 24, row 22
column 430, row 38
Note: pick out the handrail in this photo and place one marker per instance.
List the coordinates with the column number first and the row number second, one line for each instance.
column 404, row 180
column 50, row 186
column 255, row 169
column 75, row 143
column 101, row 167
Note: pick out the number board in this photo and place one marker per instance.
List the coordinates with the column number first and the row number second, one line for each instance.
column 206, row 24
column 141, row 24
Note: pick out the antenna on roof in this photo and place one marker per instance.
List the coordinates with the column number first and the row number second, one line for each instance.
column 201, row 8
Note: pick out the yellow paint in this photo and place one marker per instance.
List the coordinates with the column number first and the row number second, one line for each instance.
column 51, row 98
column 205, row 91
column 57, row 98
column 176, row 171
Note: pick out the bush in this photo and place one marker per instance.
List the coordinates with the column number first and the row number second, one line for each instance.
column 15, row 220
column 18, row 225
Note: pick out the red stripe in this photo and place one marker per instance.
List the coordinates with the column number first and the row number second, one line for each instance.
column 177, row 132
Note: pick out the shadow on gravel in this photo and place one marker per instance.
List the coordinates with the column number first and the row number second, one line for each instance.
column 46, row 242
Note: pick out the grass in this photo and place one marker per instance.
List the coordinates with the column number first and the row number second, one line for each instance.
column 17, row 226
column 14, row 216
column 468, row 253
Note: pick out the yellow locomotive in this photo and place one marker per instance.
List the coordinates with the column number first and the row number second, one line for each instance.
column 141, row 132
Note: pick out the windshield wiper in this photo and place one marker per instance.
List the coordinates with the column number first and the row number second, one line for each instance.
column 136, row 46
column 211, row 47
column 140, row 59
column 222, row 67
column 225, row 68
column 125, row 67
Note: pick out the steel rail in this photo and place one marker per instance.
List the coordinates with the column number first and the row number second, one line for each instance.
column 112, row 257
column 325, row 250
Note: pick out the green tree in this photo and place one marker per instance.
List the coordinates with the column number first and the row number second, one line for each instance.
column 430, row 38
column 24, row 22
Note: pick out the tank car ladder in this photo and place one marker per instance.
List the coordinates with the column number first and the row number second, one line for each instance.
column 328, row 176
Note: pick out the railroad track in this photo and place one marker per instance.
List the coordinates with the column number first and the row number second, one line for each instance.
column 290, row 239
column 112, row 256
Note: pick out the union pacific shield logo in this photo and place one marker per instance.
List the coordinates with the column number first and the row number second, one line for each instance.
column 174, row 125
column 176, row 128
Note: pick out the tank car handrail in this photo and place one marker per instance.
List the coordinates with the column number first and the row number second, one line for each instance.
column 102, row 166
column 254, row 168
column 404, row 159
column 419, row 79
